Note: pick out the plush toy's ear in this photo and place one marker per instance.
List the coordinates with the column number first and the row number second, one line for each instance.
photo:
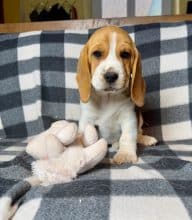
column 137, row 81
column 84, row 75
column 67, row 134
column 60, row 123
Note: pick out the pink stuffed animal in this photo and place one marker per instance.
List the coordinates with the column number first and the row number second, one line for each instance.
column 63, row 153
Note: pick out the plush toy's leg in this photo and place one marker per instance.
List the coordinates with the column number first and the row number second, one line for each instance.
column 90, row 135
column 53, row 146
column 94, row 154
column 36, row 147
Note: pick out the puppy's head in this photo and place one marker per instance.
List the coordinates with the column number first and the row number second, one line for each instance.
column 110, row 63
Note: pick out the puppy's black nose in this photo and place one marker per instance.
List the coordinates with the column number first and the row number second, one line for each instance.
column 111, row 77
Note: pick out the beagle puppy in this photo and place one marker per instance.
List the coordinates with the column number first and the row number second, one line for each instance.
column 110, row 83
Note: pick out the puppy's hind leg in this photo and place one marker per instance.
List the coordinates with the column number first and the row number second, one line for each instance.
column 146, row 140
column 141, row 138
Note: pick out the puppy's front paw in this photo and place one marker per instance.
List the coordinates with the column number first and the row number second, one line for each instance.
column 115, row 145
column 124, row 157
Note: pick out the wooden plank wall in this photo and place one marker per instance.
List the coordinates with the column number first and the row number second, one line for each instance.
column 89, row 23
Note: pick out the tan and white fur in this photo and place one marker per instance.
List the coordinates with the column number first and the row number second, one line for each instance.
column 110, row 84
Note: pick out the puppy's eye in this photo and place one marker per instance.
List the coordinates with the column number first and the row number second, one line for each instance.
column 97, row 54
column 125, row 55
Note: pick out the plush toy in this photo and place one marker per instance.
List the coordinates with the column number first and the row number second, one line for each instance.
column 62, row 153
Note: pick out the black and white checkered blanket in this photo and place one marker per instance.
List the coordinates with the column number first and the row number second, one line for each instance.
column 37, row 87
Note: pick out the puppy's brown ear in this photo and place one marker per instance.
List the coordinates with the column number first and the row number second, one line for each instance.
column 137, row 82
column 83, row 75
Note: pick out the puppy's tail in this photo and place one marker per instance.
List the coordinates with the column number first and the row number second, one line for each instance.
column 10, row 202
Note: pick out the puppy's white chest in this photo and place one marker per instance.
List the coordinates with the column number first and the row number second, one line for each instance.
column 110, row 130
column 108, row 121
column 109, row 113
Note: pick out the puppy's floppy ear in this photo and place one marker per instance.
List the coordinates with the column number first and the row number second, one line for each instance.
column 83, row 75
column 137, row 82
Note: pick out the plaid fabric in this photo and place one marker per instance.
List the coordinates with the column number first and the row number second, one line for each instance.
column 157, row 187
column 37, row 81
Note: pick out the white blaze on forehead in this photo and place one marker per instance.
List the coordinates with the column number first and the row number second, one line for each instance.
column 112, row 49
column 113, row 44
column 112, row 63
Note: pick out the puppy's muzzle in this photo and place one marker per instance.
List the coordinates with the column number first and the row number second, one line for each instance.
column 110, row 77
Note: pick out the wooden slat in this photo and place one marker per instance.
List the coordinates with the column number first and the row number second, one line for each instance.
column 89, row 23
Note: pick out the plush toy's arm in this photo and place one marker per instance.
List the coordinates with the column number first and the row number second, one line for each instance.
column 94, row 154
